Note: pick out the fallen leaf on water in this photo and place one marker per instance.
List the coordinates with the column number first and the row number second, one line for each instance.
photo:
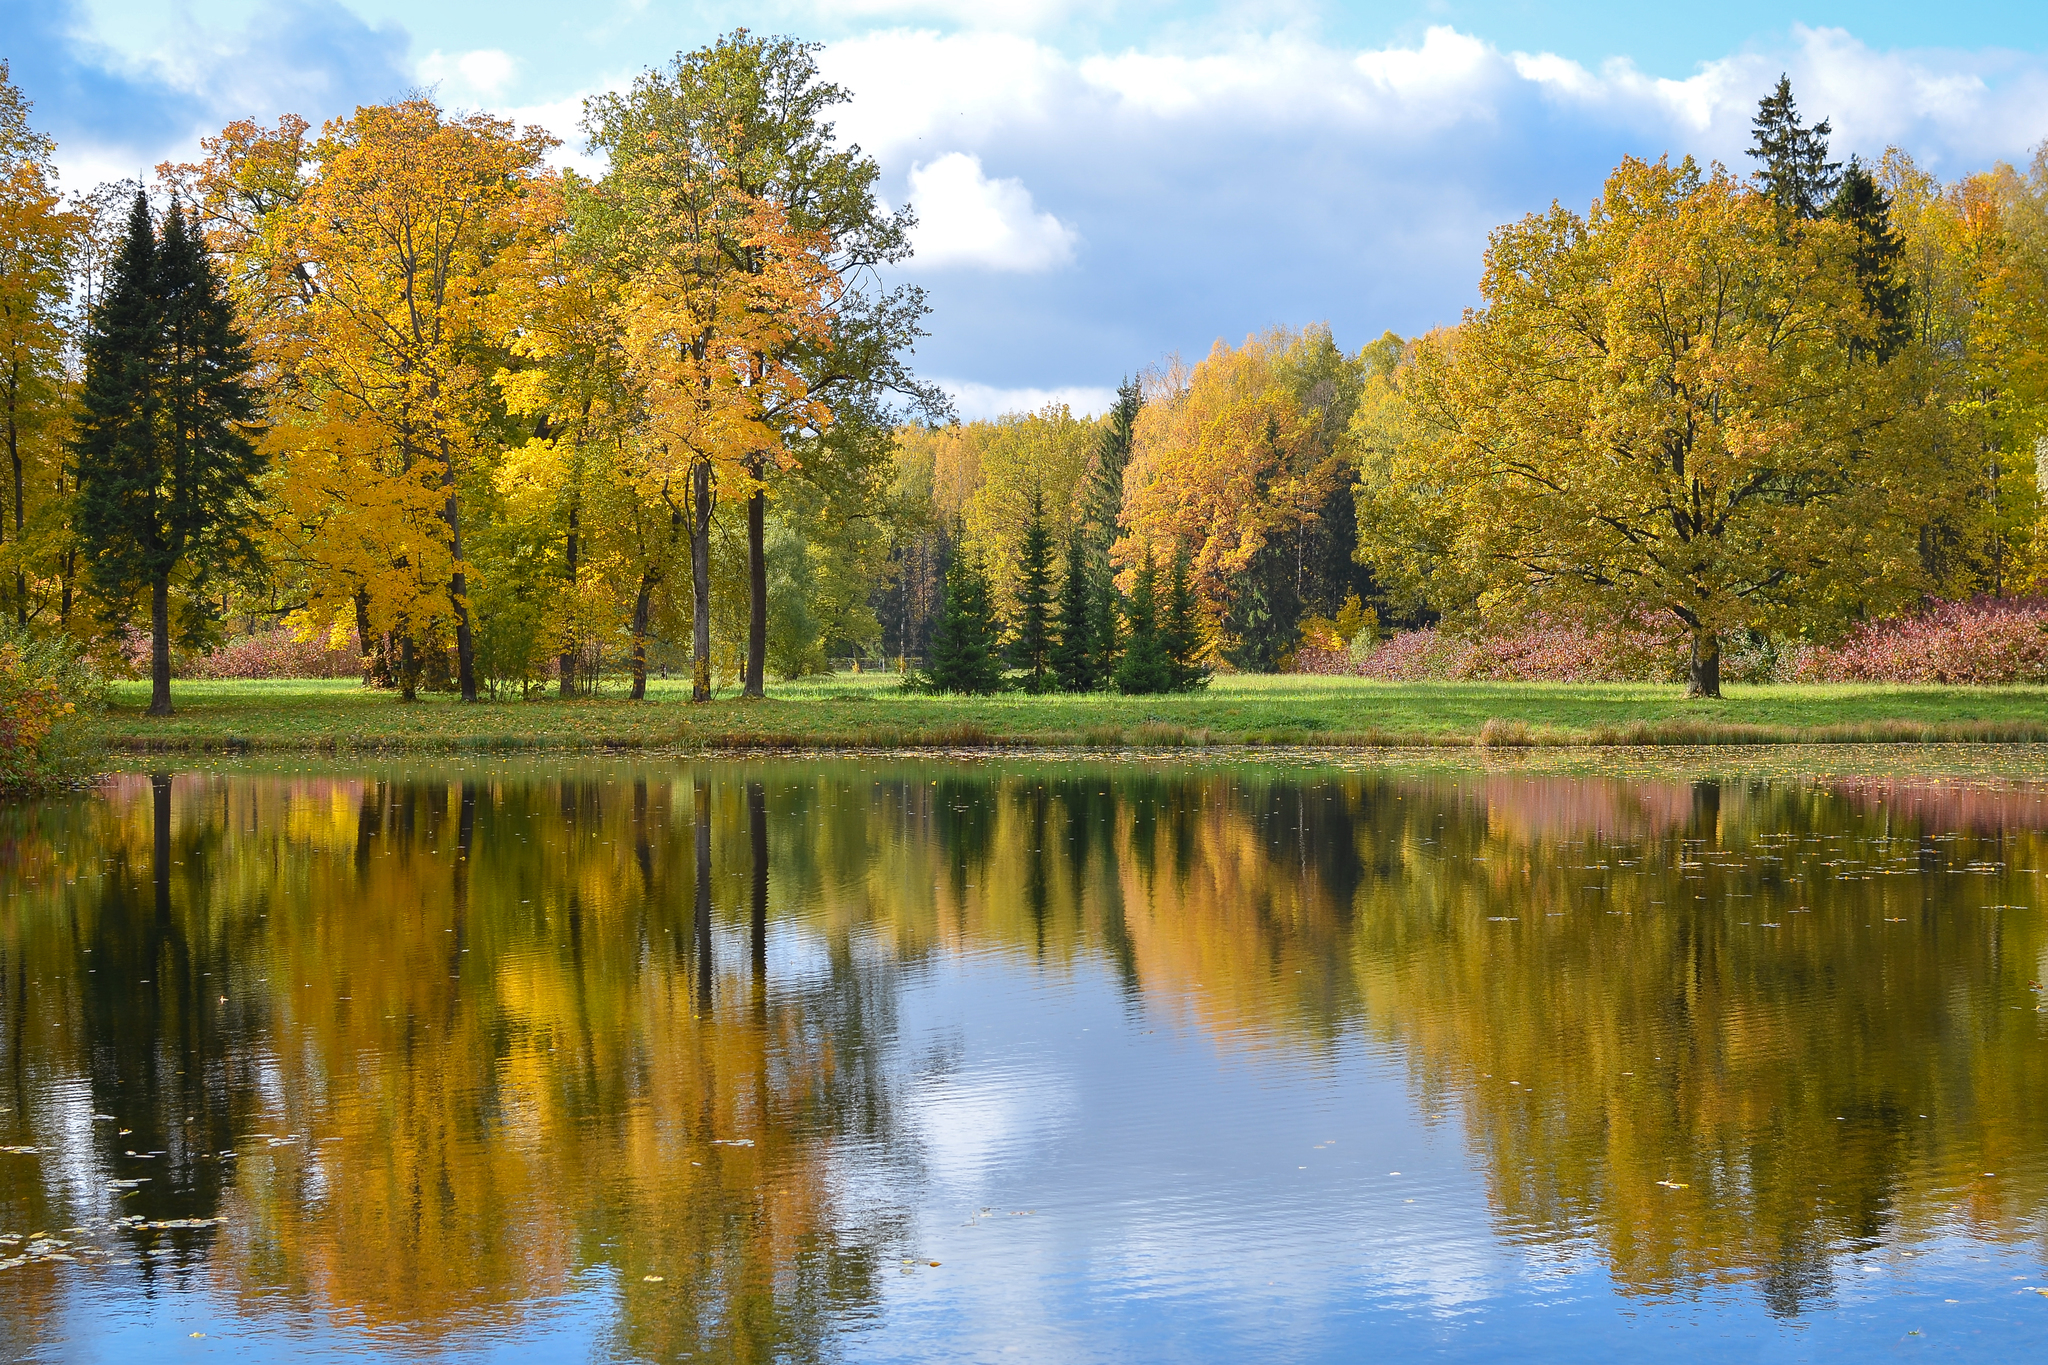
column 653, row 1279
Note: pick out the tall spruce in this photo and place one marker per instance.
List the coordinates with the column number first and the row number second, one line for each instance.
column 964, row 651
column 1104, row 639
column 1145, row 666
column 1795, row 169
column 1862, row 203
column 1073, row 658
column 166, row 463
column 1182, row 629
column 1031, row 646
column 1105, row 490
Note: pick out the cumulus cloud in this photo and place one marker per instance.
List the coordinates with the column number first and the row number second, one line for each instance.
column 973, row 400
column 966, row 219
column 484, row 73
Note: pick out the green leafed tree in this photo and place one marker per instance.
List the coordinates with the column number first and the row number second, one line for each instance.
column 1073, row 659
column 166, row 461
column 1146, row 665
column 1182, row 629
column 965, row 654
column 1031, row 646
column 1879, row 255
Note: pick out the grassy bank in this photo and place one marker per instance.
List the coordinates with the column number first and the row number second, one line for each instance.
column 867, row 712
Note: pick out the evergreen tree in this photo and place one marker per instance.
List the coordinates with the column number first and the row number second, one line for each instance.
column 1105, row 496
column 1862, row 203
column 1796, row 171
column 1103, row 638
column 166, row 465
column 964, row 654
column 1145, row 666
column 1031, row 648
column 1182, row 631
column 1073, row 658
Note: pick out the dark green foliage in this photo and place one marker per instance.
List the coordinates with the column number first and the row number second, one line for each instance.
column 1146, row 666
column 964, row 652
column 1073, row 658
column 1862, row 203
column 1182, row 630
column 1104, row 497
column 166, row 463
column 1031, row 647
column 1104, row 639
column 1795, row 171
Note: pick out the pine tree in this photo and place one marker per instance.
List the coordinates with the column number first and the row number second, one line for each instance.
column 1183, row 630
column 1104, row 640
column 1796, row 171
column 166, row 465
column 964, row 656
column 1031, row 648
column 1862, row 203
column 1073, row 658
column 1145, row 666
column 1105, row 496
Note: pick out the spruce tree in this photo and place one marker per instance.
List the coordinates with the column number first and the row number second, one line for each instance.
column 1105, row 495
column 1183, row 630
column 1031, row 647
column 1073, row 658
column 166, row 464
column 1862, row 203
column 1104, row 639
column 1145, row 666
column 964, row 656
column 1796, row 171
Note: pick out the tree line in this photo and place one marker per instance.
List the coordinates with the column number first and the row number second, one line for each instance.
column 492, row 424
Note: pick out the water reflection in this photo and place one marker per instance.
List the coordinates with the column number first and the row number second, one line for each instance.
column 454, row 1052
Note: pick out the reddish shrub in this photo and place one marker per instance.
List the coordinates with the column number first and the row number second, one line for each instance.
column 1986, row 641
column 1539, row 652
column 273, row 653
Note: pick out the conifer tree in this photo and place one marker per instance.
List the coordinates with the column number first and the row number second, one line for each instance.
column 1073, row 658
column 1105, row 495
column 1145, row 666
column 1031, row 647
column 1862, row 203
column 166, row 464
column 1104, row 639
column 1183, row 630
column 964, row 654
column 1796, row 171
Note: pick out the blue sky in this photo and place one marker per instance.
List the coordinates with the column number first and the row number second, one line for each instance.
column 1103, row 184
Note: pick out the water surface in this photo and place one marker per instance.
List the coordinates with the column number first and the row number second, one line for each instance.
column 995, row 1060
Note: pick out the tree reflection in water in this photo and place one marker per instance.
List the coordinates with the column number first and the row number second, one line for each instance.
column 446, row 1045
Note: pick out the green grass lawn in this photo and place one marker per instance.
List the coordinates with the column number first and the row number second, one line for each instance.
column 867, row 711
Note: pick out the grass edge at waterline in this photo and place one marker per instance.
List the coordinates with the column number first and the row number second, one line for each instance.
column 866, row 712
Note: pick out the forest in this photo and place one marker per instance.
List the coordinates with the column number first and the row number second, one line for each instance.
column 398, row 396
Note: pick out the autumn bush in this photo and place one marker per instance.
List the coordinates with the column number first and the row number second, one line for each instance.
column 1986, row 641
column 47, row 694
column 1542, row 651
column 276, row 652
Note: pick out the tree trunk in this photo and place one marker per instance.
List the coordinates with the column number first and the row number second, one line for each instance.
column 408, row 670
column 458, row 595
column 700, row 582
column 160, row 645
column 568, row 687
column 757, row 584
column 1703, row 673
column 160, row 845
column 642, row 601
column 14, row 455
column 366, row 650
column 757, row 837
column 701, row 922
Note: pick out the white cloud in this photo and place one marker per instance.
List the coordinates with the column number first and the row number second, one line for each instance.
column 985, row 400
column 966, row 219
column 482, row 74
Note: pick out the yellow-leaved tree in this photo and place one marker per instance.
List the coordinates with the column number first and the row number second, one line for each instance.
column 1672, row 408
column 395, row 248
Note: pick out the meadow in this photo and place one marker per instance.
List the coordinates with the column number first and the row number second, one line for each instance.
column 869, row 711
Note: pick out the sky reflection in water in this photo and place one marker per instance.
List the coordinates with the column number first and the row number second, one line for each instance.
column 1155, row 1061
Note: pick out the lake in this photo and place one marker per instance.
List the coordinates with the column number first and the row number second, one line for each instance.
column 1085, row 1059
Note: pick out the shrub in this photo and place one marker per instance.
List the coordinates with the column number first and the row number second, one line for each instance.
column 1986, row 641
column 47, row 691
column 1543, row 651
column 278, row 652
